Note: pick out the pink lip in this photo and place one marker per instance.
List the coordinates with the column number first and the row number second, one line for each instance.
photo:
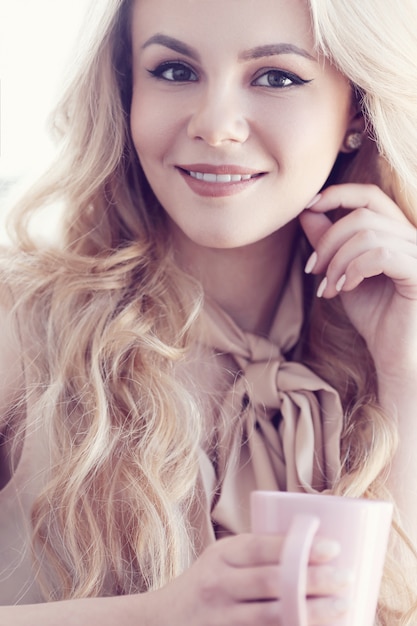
column 207, row 168
column 218, row 189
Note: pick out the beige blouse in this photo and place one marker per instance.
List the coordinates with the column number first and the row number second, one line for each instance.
column 287, row 438
column 290, row 419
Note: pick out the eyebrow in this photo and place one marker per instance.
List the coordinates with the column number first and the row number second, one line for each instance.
column 173, row 44
column 254, row 53
column 273, row 49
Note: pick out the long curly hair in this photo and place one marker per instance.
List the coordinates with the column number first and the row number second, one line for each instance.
column 111, row 318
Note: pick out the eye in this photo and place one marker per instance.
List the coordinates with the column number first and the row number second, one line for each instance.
column 174, row 71
column 278, row 79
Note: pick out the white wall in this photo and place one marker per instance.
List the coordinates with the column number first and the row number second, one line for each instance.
column 36, row 40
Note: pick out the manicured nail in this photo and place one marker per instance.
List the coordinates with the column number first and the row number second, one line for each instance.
column 311, row 263
column 313, row 201
column 322, row 287
column 340, row 283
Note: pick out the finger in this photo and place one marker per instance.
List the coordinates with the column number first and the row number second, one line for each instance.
column 342, row 264
column 315, row 225
column 265, row 583
column 251, row 550
column 320, row 611
column 353, row 196
column 327, row 580
column 323, row 611
column 364, row 230
column 249, row 613
column 401, row 268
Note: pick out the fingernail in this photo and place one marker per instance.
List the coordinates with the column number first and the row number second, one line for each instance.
column 322, row 287
column 313, row 201
column 326, row 548
column 340, row 283
column 311, row 263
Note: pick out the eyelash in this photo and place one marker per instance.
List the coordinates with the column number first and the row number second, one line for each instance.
column 180, row 66
column 160, row 70
column 282, row 76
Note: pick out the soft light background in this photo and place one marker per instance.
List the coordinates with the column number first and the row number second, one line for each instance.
column 37, row 38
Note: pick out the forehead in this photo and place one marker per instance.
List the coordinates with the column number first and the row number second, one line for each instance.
column 222, row 22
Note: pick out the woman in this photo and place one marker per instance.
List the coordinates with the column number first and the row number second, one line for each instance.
column 201, row 167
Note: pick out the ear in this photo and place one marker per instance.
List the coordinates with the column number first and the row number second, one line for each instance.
column 355, row 131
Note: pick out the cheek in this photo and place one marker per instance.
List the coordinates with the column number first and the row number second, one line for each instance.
column 313, row 136
column 141, row 123
column 154, row 127
column 293, row 125
column 147, row 123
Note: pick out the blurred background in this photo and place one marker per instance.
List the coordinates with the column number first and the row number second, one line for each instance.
column 37, row 38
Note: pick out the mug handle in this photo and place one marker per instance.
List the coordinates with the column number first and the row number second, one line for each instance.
column 294, row 562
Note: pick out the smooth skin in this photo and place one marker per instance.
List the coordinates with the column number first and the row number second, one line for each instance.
column 234, row 583
column 237, row 581
column 255, row 97
column 231, row 100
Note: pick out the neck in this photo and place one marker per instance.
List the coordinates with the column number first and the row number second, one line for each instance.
column 246, row 282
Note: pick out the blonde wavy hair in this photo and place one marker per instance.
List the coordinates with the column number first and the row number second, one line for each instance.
column 111, row 318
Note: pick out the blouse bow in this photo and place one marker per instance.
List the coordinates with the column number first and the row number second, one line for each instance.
column 284, row 421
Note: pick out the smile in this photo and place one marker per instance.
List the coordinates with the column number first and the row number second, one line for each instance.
column 220, row 178
column 219, row 174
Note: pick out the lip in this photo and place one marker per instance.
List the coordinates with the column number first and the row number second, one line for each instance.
column 217, row 188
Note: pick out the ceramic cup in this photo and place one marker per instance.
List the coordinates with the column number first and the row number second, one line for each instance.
column 360, row 526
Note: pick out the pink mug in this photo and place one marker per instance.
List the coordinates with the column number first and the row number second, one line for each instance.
column 360, row 526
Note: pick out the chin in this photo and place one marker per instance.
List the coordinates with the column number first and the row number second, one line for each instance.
column 225, row 241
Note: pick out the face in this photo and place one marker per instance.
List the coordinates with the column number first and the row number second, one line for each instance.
column 236, row 121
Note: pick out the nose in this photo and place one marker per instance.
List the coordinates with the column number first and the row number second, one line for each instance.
column 218, row 117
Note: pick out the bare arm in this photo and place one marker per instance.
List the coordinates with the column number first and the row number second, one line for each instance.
column 235, row 582
column 114, row 611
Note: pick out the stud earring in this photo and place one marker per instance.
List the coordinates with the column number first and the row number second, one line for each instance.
column 353, row 141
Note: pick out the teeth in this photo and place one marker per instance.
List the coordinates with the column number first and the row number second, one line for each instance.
column 220, row 178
